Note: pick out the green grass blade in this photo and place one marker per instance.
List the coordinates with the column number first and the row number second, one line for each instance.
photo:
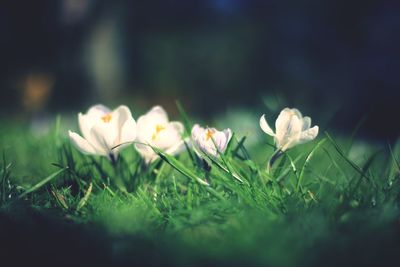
column 240, row 146
column 343, row 155
column 355, row 131
column 228, row 169
column 279, row 169
column 177, row 165
column 187, row 127
column 306, row 162
column 394, row 158
column 85, row 198
column 335, row 164
column 364, row 171
column 185, row 118
column 42, row 183
column 59, row 198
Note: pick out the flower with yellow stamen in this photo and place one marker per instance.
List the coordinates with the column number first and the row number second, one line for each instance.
column 210, row 141
column 155, row 130
column 159, row 128
column 107, row 118
column 209, row 134
column 104, row 132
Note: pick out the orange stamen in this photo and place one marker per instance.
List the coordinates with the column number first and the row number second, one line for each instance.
column 107, row 118
column 209, row 134
column 159, row 128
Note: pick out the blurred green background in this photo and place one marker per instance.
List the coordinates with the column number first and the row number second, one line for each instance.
column 334, row 60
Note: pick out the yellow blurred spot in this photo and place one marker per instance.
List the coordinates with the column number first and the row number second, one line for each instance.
column 107, row 118
column 209, row 134
column 159, row 128
column 36, row 89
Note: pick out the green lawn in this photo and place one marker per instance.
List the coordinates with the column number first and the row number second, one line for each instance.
column 330, row 202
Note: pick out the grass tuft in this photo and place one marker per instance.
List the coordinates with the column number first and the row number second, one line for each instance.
column 315, row 205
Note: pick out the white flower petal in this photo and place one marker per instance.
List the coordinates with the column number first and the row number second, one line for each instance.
column 306, row 123
column 296, row 112
column 220, row 141
column 157, row 115
column 292, row 132
column 145, row 129
column 196, row 134
column 228, row 136
column 176, row 149
column 125, row 125
column 128, row 131
column 207, row 147
column 282, row 123
column 289, row 128
column 97, row 111
column 308, row 135
column 100, row 139
column 85, row 125
column 146, row 124
column 121, row 114
column 178, row 126
column 81, row 144
column 159, row 110
column 265, row 127
column 146, row 152
column 196, row 131
column 92, row 117
column 169, row 136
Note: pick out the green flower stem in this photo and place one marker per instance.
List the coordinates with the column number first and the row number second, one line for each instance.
column 118, row 175
column 273, row 158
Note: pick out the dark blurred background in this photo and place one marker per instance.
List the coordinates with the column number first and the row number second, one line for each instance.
column 331, row 59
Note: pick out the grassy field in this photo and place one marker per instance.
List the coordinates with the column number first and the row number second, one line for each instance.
column 331, row 202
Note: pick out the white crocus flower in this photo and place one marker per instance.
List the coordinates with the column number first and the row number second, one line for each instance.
column 209, row 140
column 105, row 132
column 291, row 129
column 155, row 130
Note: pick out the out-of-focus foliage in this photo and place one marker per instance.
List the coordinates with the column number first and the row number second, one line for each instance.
column 319, row 55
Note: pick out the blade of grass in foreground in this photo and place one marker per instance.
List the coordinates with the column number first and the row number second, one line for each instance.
column 179, row 166
column 185, row 117
column 349, row 161
column 83, row 201
column 42, row 183
column 308, row 158
column 186, row 172
column 5, row 175
column 394, row 158
column 59, row 198
column 187, row 128
column 364, row 171
column 354, row 133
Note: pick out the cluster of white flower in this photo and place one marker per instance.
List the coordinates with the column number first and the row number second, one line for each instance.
column 106, row 132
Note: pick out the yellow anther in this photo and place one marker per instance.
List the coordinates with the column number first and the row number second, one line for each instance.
column 107, row 118
column 209, row 134
column 159, row 128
